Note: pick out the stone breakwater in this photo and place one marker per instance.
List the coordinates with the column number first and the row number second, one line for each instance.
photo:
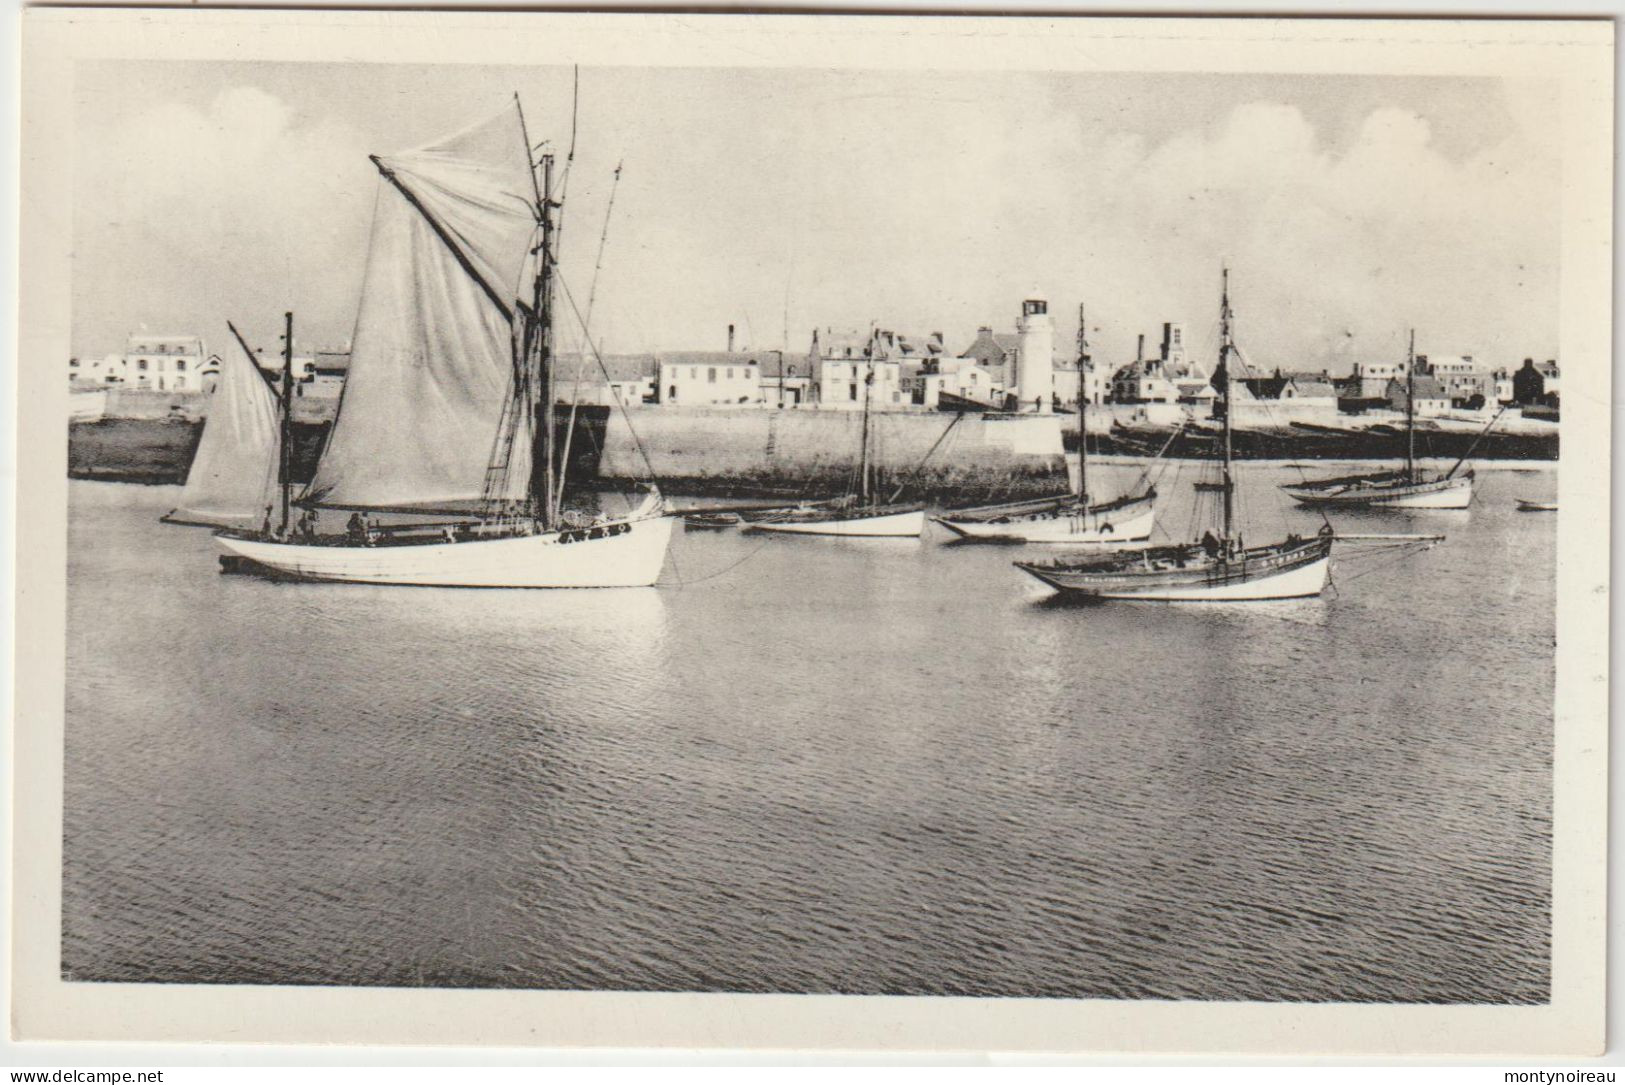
column 808, row 453
column 793, row 453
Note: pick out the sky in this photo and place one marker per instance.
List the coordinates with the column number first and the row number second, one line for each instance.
column 1348, row 208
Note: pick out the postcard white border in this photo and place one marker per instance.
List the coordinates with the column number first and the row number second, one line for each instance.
column 1578, row 53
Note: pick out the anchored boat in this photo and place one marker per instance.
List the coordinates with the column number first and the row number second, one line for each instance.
column 447, row 409
column 860, row 513
column 1409, row 488
column 1217, row 569
column 1069, row 518
column 234, row 475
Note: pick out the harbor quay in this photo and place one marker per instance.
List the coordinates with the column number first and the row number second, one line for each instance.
column 996, row 416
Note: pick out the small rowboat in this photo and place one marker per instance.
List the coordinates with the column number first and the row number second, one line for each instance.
column 1525, row 505
column 710, row 521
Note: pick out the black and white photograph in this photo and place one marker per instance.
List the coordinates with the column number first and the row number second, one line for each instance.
column 824, row 513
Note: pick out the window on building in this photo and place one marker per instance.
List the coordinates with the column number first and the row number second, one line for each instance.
column 852, row 391
column 671, row 393
column 730, row 372
column 180, row 365
column 141, row 364
column 180, row 383
column 711, row 374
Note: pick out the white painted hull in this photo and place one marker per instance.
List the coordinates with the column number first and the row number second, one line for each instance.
column 1292, row 570
column 893, row 526
column 630, row 559
column 1456, row 493
column 1074, row 529
column 1302, row 582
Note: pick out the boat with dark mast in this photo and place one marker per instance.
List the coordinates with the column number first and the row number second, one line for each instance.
column 240, row 462
column 1408, row 488
column 1220, row 568
column 447, row 413
column 1068, row 518
column 861, row 512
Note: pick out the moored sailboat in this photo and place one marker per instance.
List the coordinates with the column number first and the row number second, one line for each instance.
column 860, row 513
column 1409, row 488
column 447, row 412
column 1220, row 568
column 1069, row 518
column 235, row 471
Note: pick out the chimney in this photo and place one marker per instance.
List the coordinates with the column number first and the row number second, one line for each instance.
column 730, row 338
column 1139, row 351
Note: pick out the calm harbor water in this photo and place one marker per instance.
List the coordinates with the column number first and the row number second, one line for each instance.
column 814, row 765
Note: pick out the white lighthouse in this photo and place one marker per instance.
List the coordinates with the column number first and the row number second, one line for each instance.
column 1035, row 362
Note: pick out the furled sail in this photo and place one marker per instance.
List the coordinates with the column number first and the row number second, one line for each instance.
column 432, row 360
column 234, row 473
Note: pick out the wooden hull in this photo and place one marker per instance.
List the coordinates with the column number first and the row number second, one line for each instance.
column 1073, row 526
column 1293, row 571
column 905, row 523
column 1444, row 493
column 1525, row 505
column 630, row 554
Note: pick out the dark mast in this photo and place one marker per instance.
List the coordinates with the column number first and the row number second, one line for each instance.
column 537, row 337
column 1410, row 410
column 1226, row 349
column 1083, row 412
column 285, row 443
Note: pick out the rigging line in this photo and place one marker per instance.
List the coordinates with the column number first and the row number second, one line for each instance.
column 269, row 382
column 586, row 334
column 1465, row 456
column 923, row 459
column 569, row 296
column 569, row 157
column 730, row 567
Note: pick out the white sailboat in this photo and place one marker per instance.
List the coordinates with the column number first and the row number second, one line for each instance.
column 448, row 407
column 1070, row 518
column 1410, row 488
column 1217, row 569
column 233, row 479
column 858, row 514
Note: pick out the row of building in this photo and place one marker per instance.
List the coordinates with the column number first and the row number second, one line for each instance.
column 182, row 363
column 890, row 370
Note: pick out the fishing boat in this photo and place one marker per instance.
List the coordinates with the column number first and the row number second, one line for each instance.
column 1526, row 505
column 238, row 465
column 1069, row 518
column 1219, row 568
column 1408, row 488
column 859, row 513
column 446, row 416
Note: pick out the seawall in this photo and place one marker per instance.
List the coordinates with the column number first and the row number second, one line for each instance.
column 777, row 453
column 700, row 450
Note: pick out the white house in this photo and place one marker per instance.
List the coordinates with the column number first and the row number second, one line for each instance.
column 1430, row 396
column 710, row 378
column 166, row 363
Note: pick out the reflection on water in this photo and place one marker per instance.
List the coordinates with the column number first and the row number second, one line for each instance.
column 818, row 765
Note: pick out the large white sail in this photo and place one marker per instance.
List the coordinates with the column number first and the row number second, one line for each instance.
column 432, row 362
column 234, row 473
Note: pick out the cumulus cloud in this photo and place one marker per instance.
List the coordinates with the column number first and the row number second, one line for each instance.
column 926, row 202
column 191, row 216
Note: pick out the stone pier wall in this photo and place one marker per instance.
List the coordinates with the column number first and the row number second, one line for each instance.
column 819, row 449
